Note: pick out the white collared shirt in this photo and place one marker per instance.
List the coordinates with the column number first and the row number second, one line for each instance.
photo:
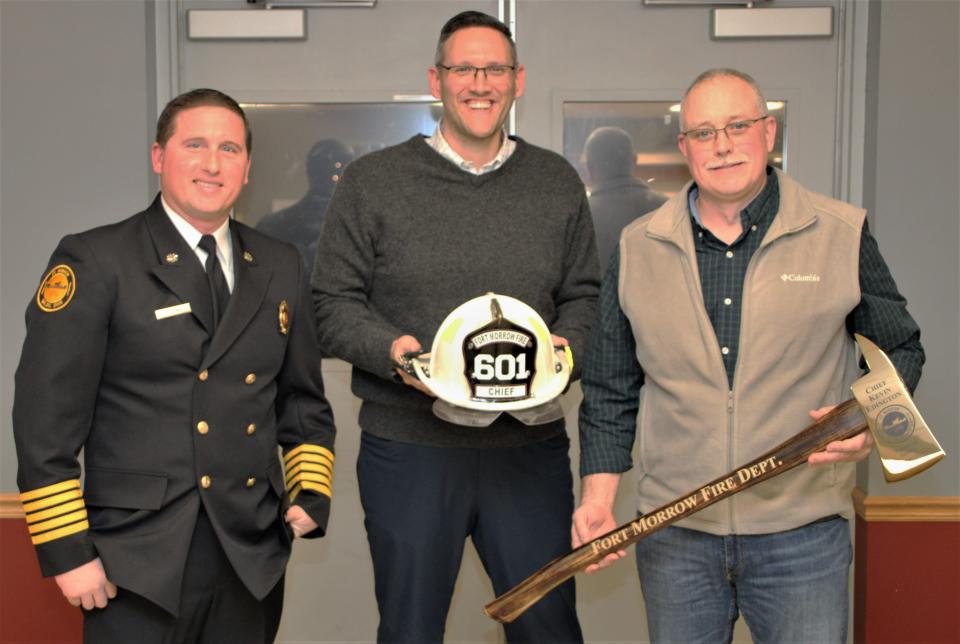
column 438, row 143
column 192, row 236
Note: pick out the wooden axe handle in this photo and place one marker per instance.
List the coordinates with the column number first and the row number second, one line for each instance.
column 844, row 421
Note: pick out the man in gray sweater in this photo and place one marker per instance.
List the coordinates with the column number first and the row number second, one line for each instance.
column 412, row 232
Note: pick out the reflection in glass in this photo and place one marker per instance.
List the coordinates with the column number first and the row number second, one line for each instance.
column 300, row 151
column 626, row 153
column 616, row 195
column 299, row 224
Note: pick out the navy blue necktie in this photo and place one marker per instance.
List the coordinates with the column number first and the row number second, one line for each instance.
column 219, row 291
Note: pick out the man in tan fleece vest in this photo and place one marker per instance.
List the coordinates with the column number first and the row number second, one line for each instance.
column 726, row 321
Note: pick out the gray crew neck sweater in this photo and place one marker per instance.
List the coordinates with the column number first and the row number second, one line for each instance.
column 408, row 237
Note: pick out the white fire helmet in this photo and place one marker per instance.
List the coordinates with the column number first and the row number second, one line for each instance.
column 494, row 354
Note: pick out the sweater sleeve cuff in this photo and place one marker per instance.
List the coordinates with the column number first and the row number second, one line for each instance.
column 377, row 358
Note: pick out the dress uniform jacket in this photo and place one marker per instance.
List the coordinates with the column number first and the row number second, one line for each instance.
column 121, row 359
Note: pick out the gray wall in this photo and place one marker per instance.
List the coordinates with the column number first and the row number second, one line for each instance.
column 76, row 123
column 349, row 55
column 78, row 107
column 916, row 207
column 614, row 50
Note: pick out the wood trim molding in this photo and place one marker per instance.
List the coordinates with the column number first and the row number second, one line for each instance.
column 906, row 508
column 10, row 507
column 869, row 508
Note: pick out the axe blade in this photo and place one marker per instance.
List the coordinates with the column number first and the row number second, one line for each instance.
column 904, row 441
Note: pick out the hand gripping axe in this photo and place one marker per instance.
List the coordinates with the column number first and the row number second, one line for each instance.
column 881, row 403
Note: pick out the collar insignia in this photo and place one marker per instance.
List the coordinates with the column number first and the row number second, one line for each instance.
column 283, row 317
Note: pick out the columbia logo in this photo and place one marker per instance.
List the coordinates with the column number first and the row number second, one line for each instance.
column 800, row 277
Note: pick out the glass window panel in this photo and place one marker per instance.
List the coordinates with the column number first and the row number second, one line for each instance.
column 300, row 151
column 622, row 188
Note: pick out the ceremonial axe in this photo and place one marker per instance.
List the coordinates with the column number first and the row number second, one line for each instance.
column 881, row 403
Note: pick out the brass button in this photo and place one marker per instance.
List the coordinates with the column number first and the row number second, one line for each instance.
column 205, row 481
column 250, row 379
column 203, row 375
column 252, row 427
column 203, row 427
column 251, row 482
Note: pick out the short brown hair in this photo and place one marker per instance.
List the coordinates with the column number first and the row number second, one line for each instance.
column 467, row 19
column 203, row 97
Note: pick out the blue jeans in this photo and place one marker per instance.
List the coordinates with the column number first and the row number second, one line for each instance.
column 790, row 586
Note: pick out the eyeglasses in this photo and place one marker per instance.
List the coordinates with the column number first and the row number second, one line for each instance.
column 705, row 135
column 470, row 71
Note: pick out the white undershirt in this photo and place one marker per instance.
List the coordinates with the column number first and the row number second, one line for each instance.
column 439, row 143
column 192, row 236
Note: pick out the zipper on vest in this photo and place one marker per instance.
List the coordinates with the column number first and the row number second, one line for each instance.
column 742, row 350
column 730, row 457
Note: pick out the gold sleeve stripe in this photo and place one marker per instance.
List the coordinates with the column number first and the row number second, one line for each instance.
column 308, row 467
column 307, row 476
column 55, row 511
column 73, row 517
column 315, row 487
column 50, row 489
column 51, row 501
column 308, row 458
column 311, row 449
column 65, row 531
column 300, row 478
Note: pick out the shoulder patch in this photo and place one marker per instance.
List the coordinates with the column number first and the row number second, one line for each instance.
column 57, row 289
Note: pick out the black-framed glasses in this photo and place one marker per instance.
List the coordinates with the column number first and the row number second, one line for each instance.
column 470, row 71
column 733, row 130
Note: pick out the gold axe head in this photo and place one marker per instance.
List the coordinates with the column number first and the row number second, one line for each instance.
column 904, row 442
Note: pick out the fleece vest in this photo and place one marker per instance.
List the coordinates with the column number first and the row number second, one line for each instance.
column 795, row 355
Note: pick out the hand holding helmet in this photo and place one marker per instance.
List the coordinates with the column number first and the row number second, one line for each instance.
column 401, row 351
column 491, row 354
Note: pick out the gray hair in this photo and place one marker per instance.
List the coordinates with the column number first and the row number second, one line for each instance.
column 725, row 72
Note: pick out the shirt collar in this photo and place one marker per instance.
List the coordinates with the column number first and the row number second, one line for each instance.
column 192, row 236
column 439, row 143
column 750, row 215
